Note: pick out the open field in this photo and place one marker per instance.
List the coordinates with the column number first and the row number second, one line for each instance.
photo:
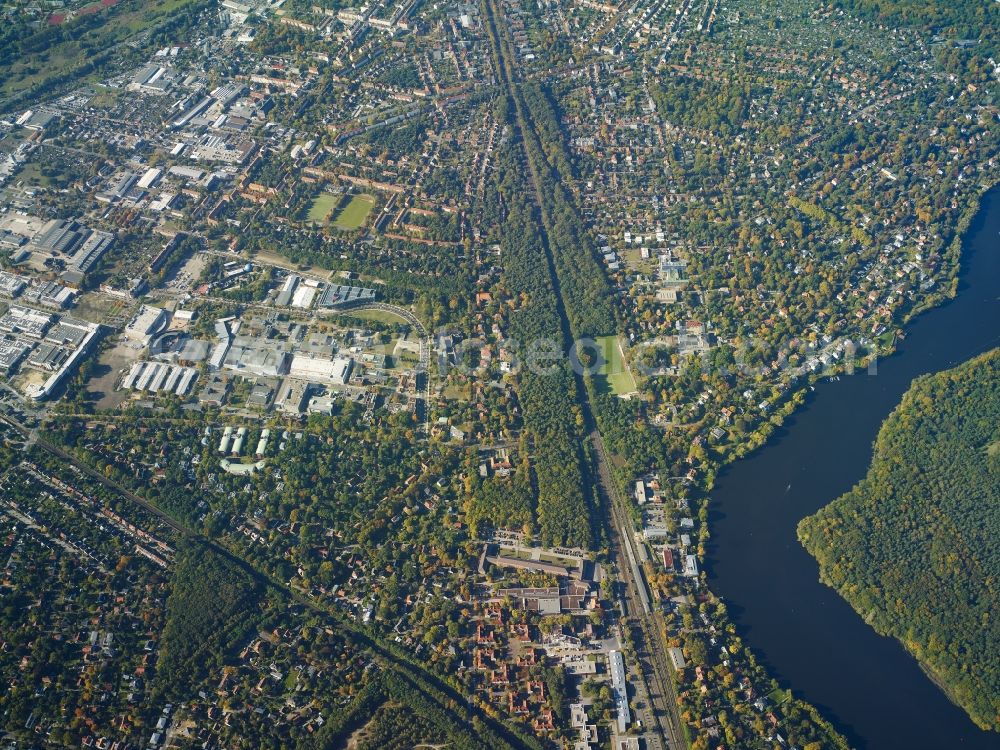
column 323, row 205
column 381, row 316
column 273, row 258
column 633, row 259
column 457, row 392
column 354, row 214
column 613, row 373
column 31, row 175
column 97, row 307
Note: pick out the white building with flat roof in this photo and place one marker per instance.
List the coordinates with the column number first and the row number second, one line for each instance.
column 25, row 321
column 147, row 322
column 691, row 566
column 321, row 369
column 619, row 685
column 150, row 178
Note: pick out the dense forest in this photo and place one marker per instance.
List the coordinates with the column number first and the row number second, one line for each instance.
column 912, row 546
column 211, row 612
column 546, row 390
column 582, row 284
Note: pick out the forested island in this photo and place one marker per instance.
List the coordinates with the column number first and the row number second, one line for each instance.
column 912, row 546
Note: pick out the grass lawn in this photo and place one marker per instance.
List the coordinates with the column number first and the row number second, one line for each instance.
column 633, row 259
column 613, row 371
column 322, row 207
column 31, row 175
column 382, row 316
column 353, row 215
column 457, row 392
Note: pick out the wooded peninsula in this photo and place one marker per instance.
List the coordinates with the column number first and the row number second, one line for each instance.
column 912, row 547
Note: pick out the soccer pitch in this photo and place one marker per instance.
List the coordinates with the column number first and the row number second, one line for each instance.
column 613, row 368
column 354, row 214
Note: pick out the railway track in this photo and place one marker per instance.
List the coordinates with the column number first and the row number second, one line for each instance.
column 655, row 674
column 650, row 650
column 96, row 476
column 453, row 704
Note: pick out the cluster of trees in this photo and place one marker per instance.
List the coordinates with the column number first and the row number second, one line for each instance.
column 505, row 502
column 558, row 280
column 960, row 19
column 912, row 547
column 445, row 227
column 403, row 76
column 826, row 216
column 54, row 682
column 629, row 435
column 398, row 728
column 397, row 711
column 582, row 284
column 401, row 140
column 363, row 707
column 23, row 38
column 212, row 610
column 465, row 729
column 547, row 395
column 341, row 475
column 703, row 104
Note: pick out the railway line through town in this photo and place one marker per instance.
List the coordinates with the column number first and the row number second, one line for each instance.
column 655, row 689
column 650, row 649
column 438, row 691
column 70, row 460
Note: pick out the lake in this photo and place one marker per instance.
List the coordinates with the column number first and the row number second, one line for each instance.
column 807, row 636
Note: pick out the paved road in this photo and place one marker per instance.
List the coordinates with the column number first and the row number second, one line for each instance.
column 650, row 647
column 98, row 477
column 423, row 365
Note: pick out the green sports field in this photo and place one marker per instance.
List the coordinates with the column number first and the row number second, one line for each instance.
column 613, row 373
column 382, row 316
column 323, row 205
column 354, row 214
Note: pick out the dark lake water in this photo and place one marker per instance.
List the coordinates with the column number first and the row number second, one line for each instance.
column 809, row 638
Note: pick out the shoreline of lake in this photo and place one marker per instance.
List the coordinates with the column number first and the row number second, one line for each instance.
column 810, row 638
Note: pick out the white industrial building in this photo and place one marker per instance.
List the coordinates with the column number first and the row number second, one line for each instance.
column 147, row 322
column 151, row 177
column 691, row 566
column 11, row 284
column 45, row 390
column 241, row 436
column 616, row 665
column 25, row 321
column 247, row 355
column 262, row 443
column 159, row 377
column 321, row 369
column 227, row 436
